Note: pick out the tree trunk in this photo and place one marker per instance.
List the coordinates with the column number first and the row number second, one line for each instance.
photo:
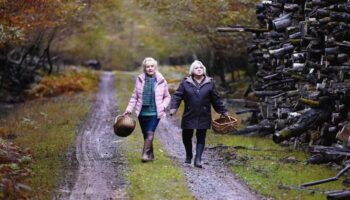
column 211, row 61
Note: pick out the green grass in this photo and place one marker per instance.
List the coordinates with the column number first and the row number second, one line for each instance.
column 47, row 127
column 160, row 179
column 261, row 167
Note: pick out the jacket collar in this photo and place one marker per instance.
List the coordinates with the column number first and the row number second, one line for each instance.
column 158, row 75
column 207, row 79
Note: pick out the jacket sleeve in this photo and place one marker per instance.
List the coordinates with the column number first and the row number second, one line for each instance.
column 133, row 100
column 177, row 97
column 216, row 101
column 167, row 97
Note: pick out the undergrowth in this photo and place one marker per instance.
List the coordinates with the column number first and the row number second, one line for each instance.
column 69, row 81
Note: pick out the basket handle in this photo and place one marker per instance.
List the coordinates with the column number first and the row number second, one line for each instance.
column 117, row 117
column 225, row 116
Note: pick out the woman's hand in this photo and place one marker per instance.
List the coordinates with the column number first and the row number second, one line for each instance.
column 225, row 114
column 172, row 112
column 126, row 113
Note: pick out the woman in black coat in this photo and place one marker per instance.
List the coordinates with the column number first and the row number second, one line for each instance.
column 199, row 93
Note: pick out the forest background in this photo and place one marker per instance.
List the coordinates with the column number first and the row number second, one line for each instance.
column 39, row 36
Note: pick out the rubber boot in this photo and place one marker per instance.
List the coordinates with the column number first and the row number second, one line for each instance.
column 188, row 160
column 198, row 158
column 151, row 154
column 146, row 150
column 147, row 154
column 189, row 154
column 150, row 136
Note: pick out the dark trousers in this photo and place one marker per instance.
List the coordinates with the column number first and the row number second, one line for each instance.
column 187, row 135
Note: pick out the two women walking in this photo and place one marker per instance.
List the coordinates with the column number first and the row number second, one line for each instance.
column 151, row 97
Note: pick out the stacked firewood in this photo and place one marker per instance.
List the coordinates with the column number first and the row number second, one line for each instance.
column 301, row 55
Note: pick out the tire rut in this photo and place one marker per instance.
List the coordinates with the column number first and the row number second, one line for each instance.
column 99, row 153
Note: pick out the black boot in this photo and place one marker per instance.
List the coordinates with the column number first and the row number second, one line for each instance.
column 188, row 160
column 198, row 158
column 189, row 155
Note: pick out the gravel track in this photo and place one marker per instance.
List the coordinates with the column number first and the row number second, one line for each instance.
column 97, row 164
column 215, row 181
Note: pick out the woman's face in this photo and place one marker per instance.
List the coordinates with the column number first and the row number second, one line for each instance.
column 150, row 69
column 198, row 70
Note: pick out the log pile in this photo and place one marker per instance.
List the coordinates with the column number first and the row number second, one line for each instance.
column 301, row 55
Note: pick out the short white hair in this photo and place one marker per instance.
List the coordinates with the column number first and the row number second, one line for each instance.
column 195, row 64
column 149, row 61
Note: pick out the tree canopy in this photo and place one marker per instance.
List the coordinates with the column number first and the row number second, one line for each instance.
column 120, row 33
column 18, row 19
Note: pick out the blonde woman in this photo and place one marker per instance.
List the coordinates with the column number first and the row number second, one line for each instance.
column 150, row 98
column 199, row 93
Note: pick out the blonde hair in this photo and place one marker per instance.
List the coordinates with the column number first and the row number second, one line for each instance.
column 195, row 64
column 149, row 60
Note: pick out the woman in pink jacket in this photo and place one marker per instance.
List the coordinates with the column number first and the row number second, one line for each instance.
column 150, row 98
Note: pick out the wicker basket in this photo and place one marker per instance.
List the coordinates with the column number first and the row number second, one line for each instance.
column 124, row 125
column 224, row 125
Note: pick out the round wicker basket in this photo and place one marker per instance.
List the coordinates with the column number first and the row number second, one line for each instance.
column 224, row 125
column 124, row 125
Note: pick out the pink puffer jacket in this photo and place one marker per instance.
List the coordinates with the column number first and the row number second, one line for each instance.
column 161, row 94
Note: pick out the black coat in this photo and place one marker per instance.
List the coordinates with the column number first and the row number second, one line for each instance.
column 198, row 101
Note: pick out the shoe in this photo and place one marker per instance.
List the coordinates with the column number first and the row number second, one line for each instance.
column 188, row 160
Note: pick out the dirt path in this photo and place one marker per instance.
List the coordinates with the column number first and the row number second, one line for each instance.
column 215, row 181
column 97, row 164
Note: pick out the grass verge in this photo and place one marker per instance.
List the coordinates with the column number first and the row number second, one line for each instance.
column 47, row 127
column 160, row 179
column 273, row 170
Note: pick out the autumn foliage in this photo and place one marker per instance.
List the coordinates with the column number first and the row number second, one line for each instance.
column 20, row 17
column 14, row 171
column 70, row 81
